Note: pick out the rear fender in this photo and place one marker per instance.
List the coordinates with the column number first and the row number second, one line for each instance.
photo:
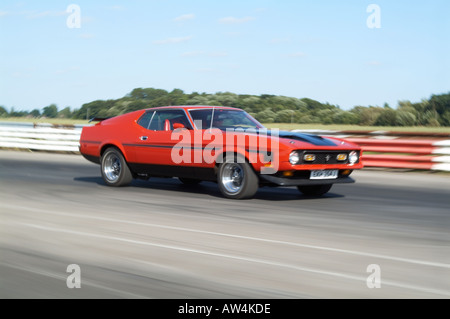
column 116, row 144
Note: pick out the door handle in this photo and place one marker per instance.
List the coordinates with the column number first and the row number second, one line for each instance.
column 143, row 138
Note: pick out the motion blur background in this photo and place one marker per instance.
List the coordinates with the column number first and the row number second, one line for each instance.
column 161, row 239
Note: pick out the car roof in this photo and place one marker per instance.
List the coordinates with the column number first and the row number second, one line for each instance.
column 193, row 107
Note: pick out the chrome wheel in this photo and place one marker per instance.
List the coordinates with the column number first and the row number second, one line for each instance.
column 112, row 167
column 236, row 178
column 233, row 177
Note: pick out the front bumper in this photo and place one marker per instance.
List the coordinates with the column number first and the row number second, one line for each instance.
column 301, row 181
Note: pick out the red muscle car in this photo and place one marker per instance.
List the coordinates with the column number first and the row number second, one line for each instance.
column 221, row 144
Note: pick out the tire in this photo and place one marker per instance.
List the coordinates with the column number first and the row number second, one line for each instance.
column 190, row 181
column 236, row 179
column 316, row 190
column 114, row 168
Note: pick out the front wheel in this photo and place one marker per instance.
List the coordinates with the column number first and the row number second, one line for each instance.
column 237, row 180
column 115, row 170
column 316, row 190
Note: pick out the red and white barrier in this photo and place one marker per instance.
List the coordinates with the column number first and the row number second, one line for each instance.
column 412, row 154
column 380, row 149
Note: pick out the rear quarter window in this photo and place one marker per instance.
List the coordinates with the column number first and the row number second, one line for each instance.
column 145, row 119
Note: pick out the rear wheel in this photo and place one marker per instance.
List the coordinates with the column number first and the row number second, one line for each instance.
column 236, row 179
column 316, row 190
column 114, row 168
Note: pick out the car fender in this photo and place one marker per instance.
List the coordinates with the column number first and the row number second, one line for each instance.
column 114, row 143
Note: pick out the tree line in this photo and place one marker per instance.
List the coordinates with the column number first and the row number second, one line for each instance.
column 434, row 111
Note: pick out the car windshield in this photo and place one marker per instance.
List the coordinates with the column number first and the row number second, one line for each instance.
column 223, row 119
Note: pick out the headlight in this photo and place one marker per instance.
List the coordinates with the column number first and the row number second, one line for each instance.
column 294, row 158
column 342, row 157
column 353, row 157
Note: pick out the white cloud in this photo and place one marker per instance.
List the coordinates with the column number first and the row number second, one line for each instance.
column 184, row 17
column 3, row 13
column 173, row 40
column 233, row 20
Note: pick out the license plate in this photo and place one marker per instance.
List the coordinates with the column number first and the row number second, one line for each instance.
column 324, row 174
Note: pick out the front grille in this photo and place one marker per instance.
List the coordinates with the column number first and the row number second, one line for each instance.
column 324, row 157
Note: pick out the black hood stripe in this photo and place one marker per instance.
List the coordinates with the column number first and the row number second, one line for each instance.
column 303, row 137
column 308, row 138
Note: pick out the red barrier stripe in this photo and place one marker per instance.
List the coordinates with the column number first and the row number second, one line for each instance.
column 399, row 164
column 398, row 149
column 397, row 142
column 398, row 158
column 439, row 135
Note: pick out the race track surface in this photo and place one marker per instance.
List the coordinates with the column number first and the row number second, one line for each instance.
column 162, row 239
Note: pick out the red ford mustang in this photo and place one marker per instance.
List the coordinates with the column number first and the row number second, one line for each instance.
column 221, row 144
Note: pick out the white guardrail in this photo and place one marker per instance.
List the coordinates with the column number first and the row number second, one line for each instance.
column 42, row 137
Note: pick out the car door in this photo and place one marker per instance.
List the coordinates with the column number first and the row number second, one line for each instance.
column 156, row 142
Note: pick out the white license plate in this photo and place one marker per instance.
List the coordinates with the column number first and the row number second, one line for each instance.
column 325, row 174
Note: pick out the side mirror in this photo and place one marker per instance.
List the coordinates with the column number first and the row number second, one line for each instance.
column 177, row 126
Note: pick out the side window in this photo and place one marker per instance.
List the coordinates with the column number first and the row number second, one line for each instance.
column 202, row 118
column 145, row 119
column 163, row 120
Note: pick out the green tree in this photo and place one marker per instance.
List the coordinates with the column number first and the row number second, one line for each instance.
column 15, row 113
column 440, row 103
column 345, row 117
column 97, row 108
column 137, row 105
column 35, row 113
column 147, row 94
column 266, row 116
column 285, row 116
column 65, row 113
column 431, row 118
column 3, row 112
column 405, row 118
column 326, row 116
column 445, row 118
column 50, row 111
column 388, row 117
column 367, row 115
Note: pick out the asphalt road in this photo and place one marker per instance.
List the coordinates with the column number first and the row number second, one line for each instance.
column 162, row 239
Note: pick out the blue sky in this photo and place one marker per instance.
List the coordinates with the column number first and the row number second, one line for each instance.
column 318, row 49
